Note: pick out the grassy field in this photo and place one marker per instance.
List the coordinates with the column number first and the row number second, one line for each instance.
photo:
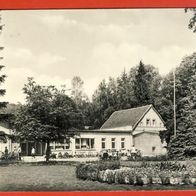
column 59, row 178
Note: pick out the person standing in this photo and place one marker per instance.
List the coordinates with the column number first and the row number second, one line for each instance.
column 6, row 152
column 133, row 152
column 19, row 153
column 33, row 152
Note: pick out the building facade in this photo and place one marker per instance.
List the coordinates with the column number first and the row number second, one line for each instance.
column 137, row 126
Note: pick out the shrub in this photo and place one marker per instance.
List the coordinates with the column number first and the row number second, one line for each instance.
column 90, row 171
column 103, row 165
column 87, row 172
column 110, row 176
column 160, row 173
column 149, row 158
column 100, row 176
column 120, row 176
column 53, row 156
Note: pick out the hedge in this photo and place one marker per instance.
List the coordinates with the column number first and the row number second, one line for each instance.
column 136, row 176
column 90, row 171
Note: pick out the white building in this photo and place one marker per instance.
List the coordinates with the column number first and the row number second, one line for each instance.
column 137, row 126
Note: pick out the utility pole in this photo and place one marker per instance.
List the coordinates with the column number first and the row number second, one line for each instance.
column 174, row 103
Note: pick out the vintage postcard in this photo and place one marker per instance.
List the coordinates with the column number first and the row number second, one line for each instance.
column 98, row 99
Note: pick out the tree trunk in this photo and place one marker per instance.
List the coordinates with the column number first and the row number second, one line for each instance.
column 47, row 151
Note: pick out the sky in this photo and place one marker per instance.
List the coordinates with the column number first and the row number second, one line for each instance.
column 53, row 46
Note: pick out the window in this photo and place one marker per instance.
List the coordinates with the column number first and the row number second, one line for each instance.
column 67, row 144
column 147, row 122
column 92, row 143
column 141, row 123
column 153, row 148
column 59, row 145
column 122, row 143
column 103, row 143
column 154, row 123
column 113, row 143
column 84, row 143
column 77, row 143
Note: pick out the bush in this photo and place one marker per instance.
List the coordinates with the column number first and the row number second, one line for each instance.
column 90, row 171
column 9, row 157
column 103, row 165
column 164, row 173
column 110, row 176
column 87, row 172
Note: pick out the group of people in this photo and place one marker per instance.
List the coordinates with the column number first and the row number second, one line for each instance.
column 109, row 154
column 16, row 153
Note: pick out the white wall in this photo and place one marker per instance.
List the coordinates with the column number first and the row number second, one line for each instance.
column 151, row 114
column 146, row 141
column 108, row 136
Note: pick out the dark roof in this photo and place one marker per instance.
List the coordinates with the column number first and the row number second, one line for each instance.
column 128, row 117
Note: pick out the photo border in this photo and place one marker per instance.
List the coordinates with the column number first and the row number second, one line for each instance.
column 100, row 4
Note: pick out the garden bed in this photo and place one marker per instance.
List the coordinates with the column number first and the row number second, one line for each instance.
column 162, row 173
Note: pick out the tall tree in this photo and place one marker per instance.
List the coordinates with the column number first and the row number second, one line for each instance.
column 184, row 144
column 124, row 91
column 81, row 100
column 141, row 89
column 47, row 116
column 2, row 77
column 77, row 90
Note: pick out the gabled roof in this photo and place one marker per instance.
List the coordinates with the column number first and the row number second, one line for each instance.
column 128, row 117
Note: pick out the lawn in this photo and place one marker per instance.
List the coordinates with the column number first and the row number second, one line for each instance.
column 27, row 177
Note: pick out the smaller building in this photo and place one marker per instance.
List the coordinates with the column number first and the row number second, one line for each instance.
column 9, row 143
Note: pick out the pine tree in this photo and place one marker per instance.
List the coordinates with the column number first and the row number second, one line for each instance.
column 124, row 91
column 141, row 88
column 184, row 144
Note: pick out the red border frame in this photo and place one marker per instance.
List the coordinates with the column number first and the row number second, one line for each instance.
column 102, row 4
column 86, row 4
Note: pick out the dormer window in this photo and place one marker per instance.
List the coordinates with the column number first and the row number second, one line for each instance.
column 147, row 122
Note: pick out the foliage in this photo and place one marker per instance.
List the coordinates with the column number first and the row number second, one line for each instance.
column 48, row 115
column 126, row 91
column 149, row 158
column 3, row 104
column 164, row 173
column 90, row 171
column 184, row 144
column 192, row 21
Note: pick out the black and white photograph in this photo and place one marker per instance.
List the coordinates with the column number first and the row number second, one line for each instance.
column 98, row 99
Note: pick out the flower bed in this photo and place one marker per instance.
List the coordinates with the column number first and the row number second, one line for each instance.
column 91, row 171
column 168, row 174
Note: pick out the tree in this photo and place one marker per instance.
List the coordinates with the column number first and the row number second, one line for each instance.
column 100, row 103
column 81, row 100
column 192, row 21
column 184, row 144
column 146, row 84
column 124, row 91
column 77, row 90
column 48, row 115
column 2, row 79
